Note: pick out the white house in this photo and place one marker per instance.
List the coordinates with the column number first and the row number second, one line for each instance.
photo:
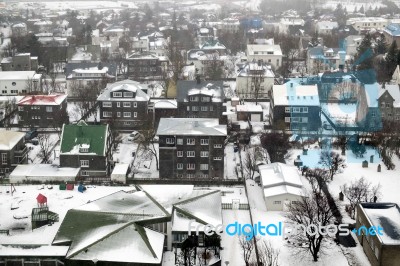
column 43, row 173
column 269, row 53
column 326, row 27
column 255, row 80
column 351, row 44
column 281, row 184
column 364, row 24
column 19, row 82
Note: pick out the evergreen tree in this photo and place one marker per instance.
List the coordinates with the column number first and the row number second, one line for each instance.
column 361, row 9
column 392, row 57
column 364, row 54
column 381, row 46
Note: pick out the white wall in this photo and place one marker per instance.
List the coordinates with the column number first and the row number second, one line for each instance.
column 43, row 179
column 243, row 86
column 269, row 201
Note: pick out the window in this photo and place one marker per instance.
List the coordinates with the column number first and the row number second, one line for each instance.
column 305, row 109
column 190, row 153
column 127, row 114
column 190, row 175
column 127, row 123
column 211, row 108
column 107, row 114
column 194, row 98
column 128, row 94
column 187, row 108
column 377, row 252
column 4, row 158
column 118, row 104
column 217, row 145
column 217, row 158
column 204, row 108
column 387, row 105
column 287, row 119
column 190, row 166
column 135, row 104
column 383, row 104
column 204, row 167
column 20, row 108
column 179, row 153
column 49, row 109
column 204, row 154
column 170, row 140
column 84, row 163
column 13, row 83
column 190, row 141
column 117, row 94
column 118, row 114
column 205, row 99
column 4, row 91
column 287, row 109
column 277, row 202
column 126, row 104
column 204, row 141
column 107, row 104
column 179, row 166
column 84, row 173
column 195, row 108
column 134, row 114
column 179, row 141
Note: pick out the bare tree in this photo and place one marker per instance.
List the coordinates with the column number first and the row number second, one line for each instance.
column 267, row 254
column 147, row 139
column 46, row 145
column 10, row 106
column 360, row 191
column 32, row 86
column 247, row 247
column 312, row 209
column 332, row 161
column 316, row 177
column 214, row 67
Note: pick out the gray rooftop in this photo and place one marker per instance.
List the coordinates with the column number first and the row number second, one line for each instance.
column 215, row 87
column 191, row 127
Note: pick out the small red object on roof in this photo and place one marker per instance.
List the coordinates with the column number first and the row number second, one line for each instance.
column 41, row 199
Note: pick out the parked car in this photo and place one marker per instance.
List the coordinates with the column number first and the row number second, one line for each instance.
column 34, row 141
column 134, row 136
column 31, row 134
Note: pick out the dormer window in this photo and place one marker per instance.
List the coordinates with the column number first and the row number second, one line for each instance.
column 84, row 148
column 194, row 98
column 117, row 94
column 128, row 94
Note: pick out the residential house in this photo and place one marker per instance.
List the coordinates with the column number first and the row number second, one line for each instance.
column 42, row 111
column 115, row 31
column 124, row 104
column 255, row 80
column 12, row 151
column 153, row 42
column 87, row 147
column 320, row 59
column 290, row 24
column 191, row 148
column 281, row 185
column 79, row 75
column 326, row 27
column 205, row 34
column 20, row 62
column 43, row 173
column 366, row 24
column 249, row 112
column 351, row 44
column 19, row 29
column 19, row 82
column 206, row 61
column 200, row 99
column 161, row 107
column 383, row 247
column 392, row 33
column 214, row 45
column 142, row 65
column 295, row 107
column 270, row 54
column 227, row 25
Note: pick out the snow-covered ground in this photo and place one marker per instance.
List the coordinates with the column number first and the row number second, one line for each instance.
column 344, row 114
column 79, row 5
column 58, row 201
column 351, row 5
column 231, row 161
column 34, row 150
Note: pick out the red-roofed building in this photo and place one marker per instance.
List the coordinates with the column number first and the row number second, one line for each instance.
column 43, row 111
column 41, row 200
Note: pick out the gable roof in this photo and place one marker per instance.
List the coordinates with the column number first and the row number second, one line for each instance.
column 191, row 127
column 393, row 90
column 92, row 136
column 125, row 85
column 70, row 67
column 209, row 87
column 293, row 94
column 8, row 139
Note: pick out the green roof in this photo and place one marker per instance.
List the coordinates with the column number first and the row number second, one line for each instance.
column 92, row 135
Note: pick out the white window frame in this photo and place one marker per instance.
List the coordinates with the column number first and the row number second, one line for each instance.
column 84, row 173
column 134, row 114
column 190, row 166
column 49, row 109
column 179, row 141
column 287, row 119
column 179, row 154
column 179, row 166
column 204, row 108
column 218, row 158
column 204, row 167
column 4, row 158
column 276, row 202
column 127, row 114
column 107, row 104
column 135, row 104
column 204, row 141
column 118, row 104
column 170, row 141
column 107, row 114
column 118, row 114
column 190, row 141
column 117, row 94
column 126, row 104
column 217, row 146
column 190, row 154
column 128, row 94
column 204, row 153
column 287, row 109
column 84, row 163
column 195, row 108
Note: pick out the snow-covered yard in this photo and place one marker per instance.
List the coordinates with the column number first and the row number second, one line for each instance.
column 231, row 162
column 34, row 150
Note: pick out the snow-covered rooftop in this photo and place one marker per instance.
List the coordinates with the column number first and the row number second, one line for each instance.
column 249, row 108
column 19, row 75
column 43, row 100
column 293, row 94
column 191, row 127
column 8, row 139
column 264, row 49
column 43, row 170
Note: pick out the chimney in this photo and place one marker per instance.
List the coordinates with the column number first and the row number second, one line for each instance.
column 384, row 85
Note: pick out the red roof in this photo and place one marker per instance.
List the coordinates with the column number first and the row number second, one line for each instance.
column 41, row 198
column 42, row 100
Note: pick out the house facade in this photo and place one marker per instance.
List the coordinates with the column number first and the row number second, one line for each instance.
column 255, row 80
column 20, row 62
column 87, row 147
column 19, row 82
column 191, row 148
column 295, row 107
column 143, row 65
column 320, row 59
column 200, row 99
column 268, row 53
column 125, row 104
column 381, row 249
column 12, row 151
column 42, row 111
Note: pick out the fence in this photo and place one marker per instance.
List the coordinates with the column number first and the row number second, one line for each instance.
column 229, row 206
column 199, row 182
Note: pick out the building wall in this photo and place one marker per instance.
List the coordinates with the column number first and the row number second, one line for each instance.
column 143, row 68
column 274, row 60
column 188, row 109
column 15, row 87
column 244, row 87
column 125, row 122
column 277, row 203
column 169, row 158
column 98, row 165
column 17, row 155
column 313, row 117
column 43, row 179
column 40, row 116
